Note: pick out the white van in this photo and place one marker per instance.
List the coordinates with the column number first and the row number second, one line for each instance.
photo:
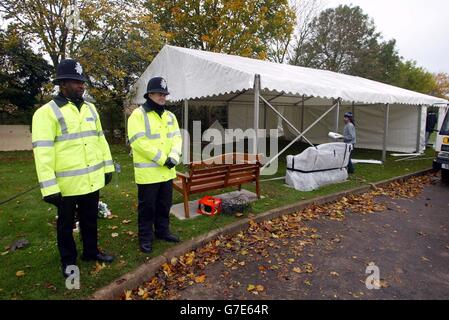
column 442, row 147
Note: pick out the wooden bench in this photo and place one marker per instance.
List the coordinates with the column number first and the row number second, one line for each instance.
column 232, row 169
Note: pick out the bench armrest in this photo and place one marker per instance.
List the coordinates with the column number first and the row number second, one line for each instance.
column 181, row 175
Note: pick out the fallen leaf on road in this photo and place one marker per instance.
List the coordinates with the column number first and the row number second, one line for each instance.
column 141, row 292
column 333, row 273
column 297, row 270
column 200, row 279
column 251, row 287
column 128, row 295
column 260, row 288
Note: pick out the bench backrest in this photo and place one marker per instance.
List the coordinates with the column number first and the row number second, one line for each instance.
column 208, row 175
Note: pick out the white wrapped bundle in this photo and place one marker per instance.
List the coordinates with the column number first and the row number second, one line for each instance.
column 318, row 166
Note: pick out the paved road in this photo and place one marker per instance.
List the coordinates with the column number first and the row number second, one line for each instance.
column 408, row 242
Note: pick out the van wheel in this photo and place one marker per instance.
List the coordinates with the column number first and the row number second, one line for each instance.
column 445, row 176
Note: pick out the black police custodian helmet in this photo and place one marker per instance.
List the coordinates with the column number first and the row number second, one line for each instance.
column 69, row 69
column 156, row 85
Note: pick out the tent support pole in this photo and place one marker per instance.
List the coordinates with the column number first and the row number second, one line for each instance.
column 298, row 137
column 265, row 116
column 256, row 111
column 186, row 138
column 337, row 115
column 418, row 138
column 285, row 119
column 386, row 116
column 302, row 114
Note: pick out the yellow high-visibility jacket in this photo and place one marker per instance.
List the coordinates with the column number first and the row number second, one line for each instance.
column 70, row 150
column 153, row 139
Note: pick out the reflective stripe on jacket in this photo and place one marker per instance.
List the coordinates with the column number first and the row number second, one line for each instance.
column 70, row 151
column 153, row 139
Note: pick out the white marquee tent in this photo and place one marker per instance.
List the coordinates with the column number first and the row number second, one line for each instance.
column 387, row 117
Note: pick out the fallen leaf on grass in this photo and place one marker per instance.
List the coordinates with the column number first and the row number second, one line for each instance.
column 126, row 221
column 20, row 273
column 98, row 267
column 114, row 235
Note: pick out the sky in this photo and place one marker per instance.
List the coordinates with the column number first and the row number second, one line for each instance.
column 420, row 27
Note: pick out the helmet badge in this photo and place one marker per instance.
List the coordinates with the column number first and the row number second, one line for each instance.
column 163, row 84
column 78, row 68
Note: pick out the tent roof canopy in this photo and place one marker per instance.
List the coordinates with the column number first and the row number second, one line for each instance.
column 195, row 74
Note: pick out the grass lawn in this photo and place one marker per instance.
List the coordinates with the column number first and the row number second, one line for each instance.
column 29, row 217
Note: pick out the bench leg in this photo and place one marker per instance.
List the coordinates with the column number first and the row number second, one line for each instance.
column 240, row 187
column 186, row 206
column 258, row 189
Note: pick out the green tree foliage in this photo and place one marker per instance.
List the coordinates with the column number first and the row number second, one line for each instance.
column 344, row 39
column 415, row 78
column 243, row 27
column 442, row 85
column 114, row 41
column 58, row 26
column 339, row 39
column 22, row 73
column 115, row 58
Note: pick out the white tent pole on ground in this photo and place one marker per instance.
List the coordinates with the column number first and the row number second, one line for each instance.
column 202, row 78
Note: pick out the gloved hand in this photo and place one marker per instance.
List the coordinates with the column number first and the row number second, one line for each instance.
column 170, row 163
column 107, row 178
column 54, row 199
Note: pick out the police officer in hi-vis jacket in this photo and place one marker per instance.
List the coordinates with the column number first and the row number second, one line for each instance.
column 73, row 162
column 156, row 142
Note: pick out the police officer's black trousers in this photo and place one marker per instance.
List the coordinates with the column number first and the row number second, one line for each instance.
column 155, row 201
column 88, row 215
